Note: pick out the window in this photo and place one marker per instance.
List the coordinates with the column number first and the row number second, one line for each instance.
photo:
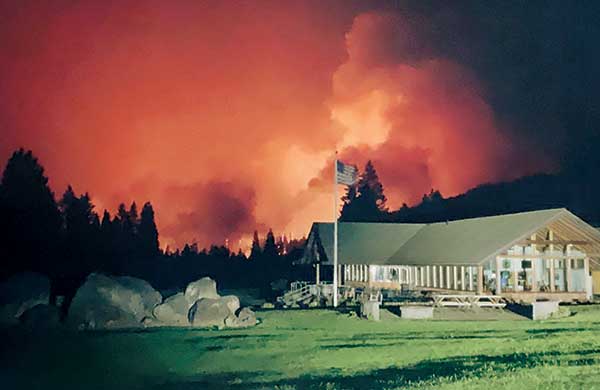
column 380, row 274
column 578, row 263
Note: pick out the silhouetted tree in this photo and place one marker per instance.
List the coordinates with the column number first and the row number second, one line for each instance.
column 255, row 252
column 350, row 208
column 81, row 231
column 148, row 233
column 365, row 202
column 270, row 249
column 30, row 222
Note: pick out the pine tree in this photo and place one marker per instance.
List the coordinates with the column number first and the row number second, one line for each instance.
column 349, row 205
column 148, row 233
column 30, row 222
column 370, row 188
column 270, row 249
column 105, row 224
column 365, row 202
column 255, row 252
column 81, row 231
column 122, row 215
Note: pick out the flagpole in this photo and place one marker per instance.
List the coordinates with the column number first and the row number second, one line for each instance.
column 335, row 233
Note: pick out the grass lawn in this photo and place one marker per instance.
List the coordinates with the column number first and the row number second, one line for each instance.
column 316, row 349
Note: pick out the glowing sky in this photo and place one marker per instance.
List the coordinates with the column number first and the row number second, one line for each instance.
column 226, row 114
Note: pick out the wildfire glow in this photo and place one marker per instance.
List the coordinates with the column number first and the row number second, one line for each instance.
column 226, row 115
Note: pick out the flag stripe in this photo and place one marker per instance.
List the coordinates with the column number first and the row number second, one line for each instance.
column 346, row 174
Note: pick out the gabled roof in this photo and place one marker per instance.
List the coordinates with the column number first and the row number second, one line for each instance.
column 468, row 241
column 358, row 241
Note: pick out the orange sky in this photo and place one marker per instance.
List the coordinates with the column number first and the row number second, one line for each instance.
column 226, row 114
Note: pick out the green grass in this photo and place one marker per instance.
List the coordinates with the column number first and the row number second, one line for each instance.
column 316, row 349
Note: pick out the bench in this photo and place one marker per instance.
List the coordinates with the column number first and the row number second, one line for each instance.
column 467, row 300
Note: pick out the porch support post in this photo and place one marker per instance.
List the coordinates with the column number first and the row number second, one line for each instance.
column 428, row 278
column 422, row 276
column 441, row 275
column 498, row 276
column 551, row 247
column 470, row 278
column 552, row 287
column 448, row 286
column 317, row 273
column 534, row 287
column 434, row 275
column 568, row 282
column 462, row 278
column 587, row 281
column 455, row 277
column 515, row 276
column 479, row 280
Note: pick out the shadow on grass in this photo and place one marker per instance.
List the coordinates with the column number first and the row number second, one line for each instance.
column 415, row 336
column 427, row 371
column 549, row 331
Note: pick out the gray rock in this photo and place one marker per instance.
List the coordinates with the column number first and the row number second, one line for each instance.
column 246, row 317
column 147, row 295
column 203, row 288
column 21, row 292
column 151, row 322
column 41, row 317
column 208, row 312
column 231, row 321
column 104, row 302
column 173, row 311
column 232, row 302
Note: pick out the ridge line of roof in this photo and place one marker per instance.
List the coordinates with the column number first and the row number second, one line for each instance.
column 559, row 209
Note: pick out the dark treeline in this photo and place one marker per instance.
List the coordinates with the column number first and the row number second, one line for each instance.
column 66, row 239
column 576, row 188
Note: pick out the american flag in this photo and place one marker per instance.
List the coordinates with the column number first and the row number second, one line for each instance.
column 346, row 174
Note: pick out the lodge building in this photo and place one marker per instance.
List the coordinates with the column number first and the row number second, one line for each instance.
column 547, row 254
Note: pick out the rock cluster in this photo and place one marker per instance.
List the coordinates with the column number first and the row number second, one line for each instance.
column 108, row 302
column 20, row 293
column 201, row 306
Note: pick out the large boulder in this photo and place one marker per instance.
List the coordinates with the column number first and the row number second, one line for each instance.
column 232, row 302
column 41, row 317
column 147, row 295
column 207, row 312
column 173, row 311
column 20, row 293
column 104, row 302
column 244, row 318
column 203, row 288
